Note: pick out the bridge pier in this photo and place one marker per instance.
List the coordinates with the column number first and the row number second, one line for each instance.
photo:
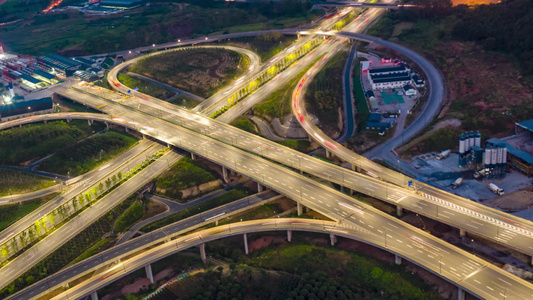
column 299, row 208
column 202, row 253
column 328, row 154
column 45, row 121
column 193, row 157
column 397, row 260
column 225, row 174
column 462, row 232
column 90, row 122
column 94, row 296
column 332, row 239
column 460, row 293
column 259, row 188
column 289, row 235
column 68, row 120
column 399, row 211
column 107, row 125
column 126, row 129
column 245, row 243
column 149, row 275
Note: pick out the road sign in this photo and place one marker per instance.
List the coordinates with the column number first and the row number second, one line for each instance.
column 410, row 183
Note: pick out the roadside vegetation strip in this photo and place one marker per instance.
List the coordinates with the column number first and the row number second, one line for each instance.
column 200, row 70
column 10, row 213
column 361, row 106
column 265, row 76
column 278, row 105
column 245, row 124
column 144, row 86
column 85, row 244
column 66, row 211
column 13, row 182
column 234, row 194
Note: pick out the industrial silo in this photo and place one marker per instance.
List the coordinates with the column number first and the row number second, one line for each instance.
column 477, row 139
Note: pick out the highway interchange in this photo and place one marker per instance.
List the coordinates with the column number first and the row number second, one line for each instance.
column 333, row 204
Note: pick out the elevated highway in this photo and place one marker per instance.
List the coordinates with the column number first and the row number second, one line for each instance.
column 481, row 280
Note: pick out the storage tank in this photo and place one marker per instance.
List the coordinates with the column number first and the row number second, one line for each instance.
column 462, row 144
column 504, row 155
column 467, row 142
column 499, row 159
column 494, row 156
column 477, row 139
column 487, row 157
column 472, row 140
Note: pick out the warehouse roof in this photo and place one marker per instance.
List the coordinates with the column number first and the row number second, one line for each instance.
column 527, row 125
column 22, row 107
column 59, row 61
column 30, row 78
column 44, row 74
column 398, row 68
column 391, row 79
column 528, row 158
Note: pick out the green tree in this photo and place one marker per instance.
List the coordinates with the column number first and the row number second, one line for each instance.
column 5, row 251
column 37, row 228
column 14, row 245
column 101, row 187
column 119, row 175
column 114, row 178
column 31, row 233
column 81, row 199
column 88, row 198
column 53, row 217
column 75, row 203
column 43, row 224
column 95, row 191
column 108, row 183
column 22, row 238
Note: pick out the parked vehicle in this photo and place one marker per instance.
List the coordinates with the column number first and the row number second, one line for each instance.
column 443, row 154
column 457, row 183
column 495, row 189
column 481, row 173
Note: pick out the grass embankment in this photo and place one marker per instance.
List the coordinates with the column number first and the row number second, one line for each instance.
column 361, row 107
column 234, row 194
column 12, row 212
column 278, row 105
column 129, row 217
column 71, row 250
column 84, row 156
column 13, row 182
column 301, row 271
column 184, row 101
column 324, row 94
column 184, row 174
column 299, row 145
column 201, row 71
column 265, row 45
column 245, row 124
column 145, row 87
column 30, row 142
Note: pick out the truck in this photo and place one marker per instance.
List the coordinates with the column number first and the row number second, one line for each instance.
column 457, row 183
column 443, row 154
column 495, row 189
column 481, row 173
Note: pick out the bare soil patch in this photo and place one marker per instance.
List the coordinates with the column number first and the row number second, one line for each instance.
column 518, row 200
column 153, row 208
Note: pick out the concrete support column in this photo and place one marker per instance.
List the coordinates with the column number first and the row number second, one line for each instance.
column 148, row 269
column 460, row 294
column 397, row 260
column 351, row 192
column 193, row 157
column 299, row 208
column 90, row 122
column 94, row 296
column 202, row 253
column 462, row 232
column 289, row 235
column 259, row 188
column 45, row 121
column 126, row 129
column 216, row 222
column 245, row 243
column 225, row 174
column 399, row 211
column 68, row 120
column 328, row 154
column 107, row 125
column 342, row 189
column 332, row 239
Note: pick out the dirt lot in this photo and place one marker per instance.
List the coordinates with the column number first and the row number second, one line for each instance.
column 518, row 200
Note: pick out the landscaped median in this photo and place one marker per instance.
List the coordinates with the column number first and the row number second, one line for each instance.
column 66, row 211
